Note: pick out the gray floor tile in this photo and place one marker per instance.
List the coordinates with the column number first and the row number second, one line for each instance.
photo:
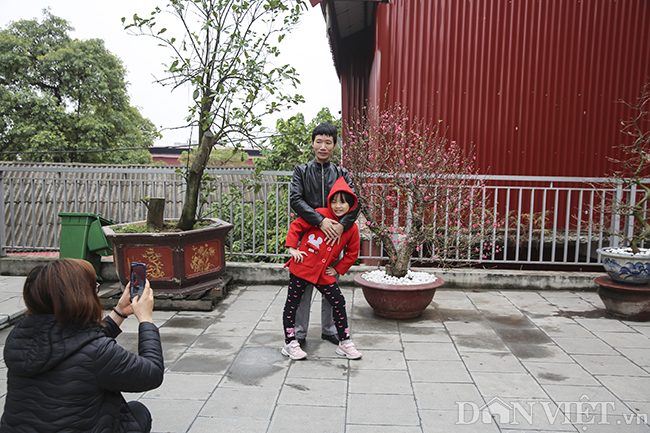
column 172, row 415
column 529, row 415
column 604, row 324
column 594, row 399
column 365, row 341
column 446, row 396
column 314, row 419
column 247, row 403
column 498, row 362
column 382, row 360
column 202, row 363
column 424, row 334
column 609, row 365
column 382, row 409
column 437, row 421
column 640, row 357
column 380, row 382
column 208, row 424
column 630, row 339
column 479, row 343
column 185, row 387
column 430, row 351
column 326, row 368
column 560, row 373
column 355, row 428
column 232, row 329
column 313, row 392
column 508, row 385
column 584, row 346
column 539, row 352
column 628, row 388
column 438, row 371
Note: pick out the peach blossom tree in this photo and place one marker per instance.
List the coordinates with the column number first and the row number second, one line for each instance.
column 623, row 207
column 419, row 192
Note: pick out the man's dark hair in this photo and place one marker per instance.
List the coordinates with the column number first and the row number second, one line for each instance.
column 324, row 129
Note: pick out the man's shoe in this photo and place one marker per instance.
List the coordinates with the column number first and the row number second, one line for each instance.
column 302, row 342
column 293, row 350
column 334, row 339
column 348, row 350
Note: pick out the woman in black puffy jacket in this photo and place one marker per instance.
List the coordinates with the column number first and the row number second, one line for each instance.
column 66, row 373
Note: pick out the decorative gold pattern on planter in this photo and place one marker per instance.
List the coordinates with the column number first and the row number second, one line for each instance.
column 203, row 258
column 155, row 266
column 160, row 264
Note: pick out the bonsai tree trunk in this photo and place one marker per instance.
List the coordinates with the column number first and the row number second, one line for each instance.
column 193, row 182
column 155, row 213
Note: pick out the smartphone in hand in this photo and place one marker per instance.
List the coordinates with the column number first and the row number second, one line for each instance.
column 138, row 277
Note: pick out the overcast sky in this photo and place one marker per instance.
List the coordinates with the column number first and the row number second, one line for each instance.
column 306, row 48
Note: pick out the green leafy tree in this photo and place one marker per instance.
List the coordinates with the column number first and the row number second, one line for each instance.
column 292, row 144
column 65, row 97
column 218, row 157
column 223, row 49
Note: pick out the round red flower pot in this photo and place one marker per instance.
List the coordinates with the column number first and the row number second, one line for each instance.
column 394, row 301
column 624, row 301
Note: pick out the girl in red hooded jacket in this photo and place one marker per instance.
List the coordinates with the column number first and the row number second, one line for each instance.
column 313, row 261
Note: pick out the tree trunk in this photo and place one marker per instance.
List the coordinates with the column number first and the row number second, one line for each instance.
column 193, row 182
column 400, row 266
column 155, row 213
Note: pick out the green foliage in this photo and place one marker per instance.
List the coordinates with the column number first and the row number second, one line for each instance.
column 60, row 94
column 292, row 145
column 230, row 157
column 167, row 227
column 225, row 51
column 257, row 224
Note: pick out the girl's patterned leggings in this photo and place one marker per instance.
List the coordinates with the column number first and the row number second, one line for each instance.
column 333, row 295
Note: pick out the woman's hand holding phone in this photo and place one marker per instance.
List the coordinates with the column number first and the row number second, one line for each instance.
column 142, row 306
column 124, row 303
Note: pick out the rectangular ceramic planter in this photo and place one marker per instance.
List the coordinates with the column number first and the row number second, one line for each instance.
column 179, row 263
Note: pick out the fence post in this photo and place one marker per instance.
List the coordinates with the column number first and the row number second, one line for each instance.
column 3, row 234
column 616, row 218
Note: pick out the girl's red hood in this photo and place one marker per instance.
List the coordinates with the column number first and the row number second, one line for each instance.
column 341, row 185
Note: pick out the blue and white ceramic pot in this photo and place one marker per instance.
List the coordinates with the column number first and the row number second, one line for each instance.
column 624, row 266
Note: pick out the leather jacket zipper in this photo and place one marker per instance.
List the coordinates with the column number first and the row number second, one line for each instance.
column 322, row 185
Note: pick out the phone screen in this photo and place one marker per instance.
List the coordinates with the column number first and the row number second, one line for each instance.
column 138, row 277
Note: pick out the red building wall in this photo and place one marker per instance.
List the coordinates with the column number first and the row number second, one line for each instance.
column 533, row 85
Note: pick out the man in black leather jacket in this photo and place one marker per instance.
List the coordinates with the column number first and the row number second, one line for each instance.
column 310, row 186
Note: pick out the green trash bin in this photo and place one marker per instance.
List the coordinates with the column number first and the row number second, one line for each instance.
column 82, row 237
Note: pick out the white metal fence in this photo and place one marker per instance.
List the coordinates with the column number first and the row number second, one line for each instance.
column 542, row 220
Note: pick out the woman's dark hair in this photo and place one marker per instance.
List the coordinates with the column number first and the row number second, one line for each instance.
column 66, row 288
column 344, row 196
column 324, row 129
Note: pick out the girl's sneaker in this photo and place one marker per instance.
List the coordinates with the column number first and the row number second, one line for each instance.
column 347, row 349
column 293, row 350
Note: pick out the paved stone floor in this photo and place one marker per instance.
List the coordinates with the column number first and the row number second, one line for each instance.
column 476, row 361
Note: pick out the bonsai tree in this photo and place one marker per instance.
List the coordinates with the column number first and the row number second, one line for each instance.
column 409, row 177
column 223, row 49
column 624, row 206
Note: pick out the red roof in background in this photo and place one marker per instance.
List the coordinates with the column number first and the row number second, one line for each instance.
column 315, row 2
